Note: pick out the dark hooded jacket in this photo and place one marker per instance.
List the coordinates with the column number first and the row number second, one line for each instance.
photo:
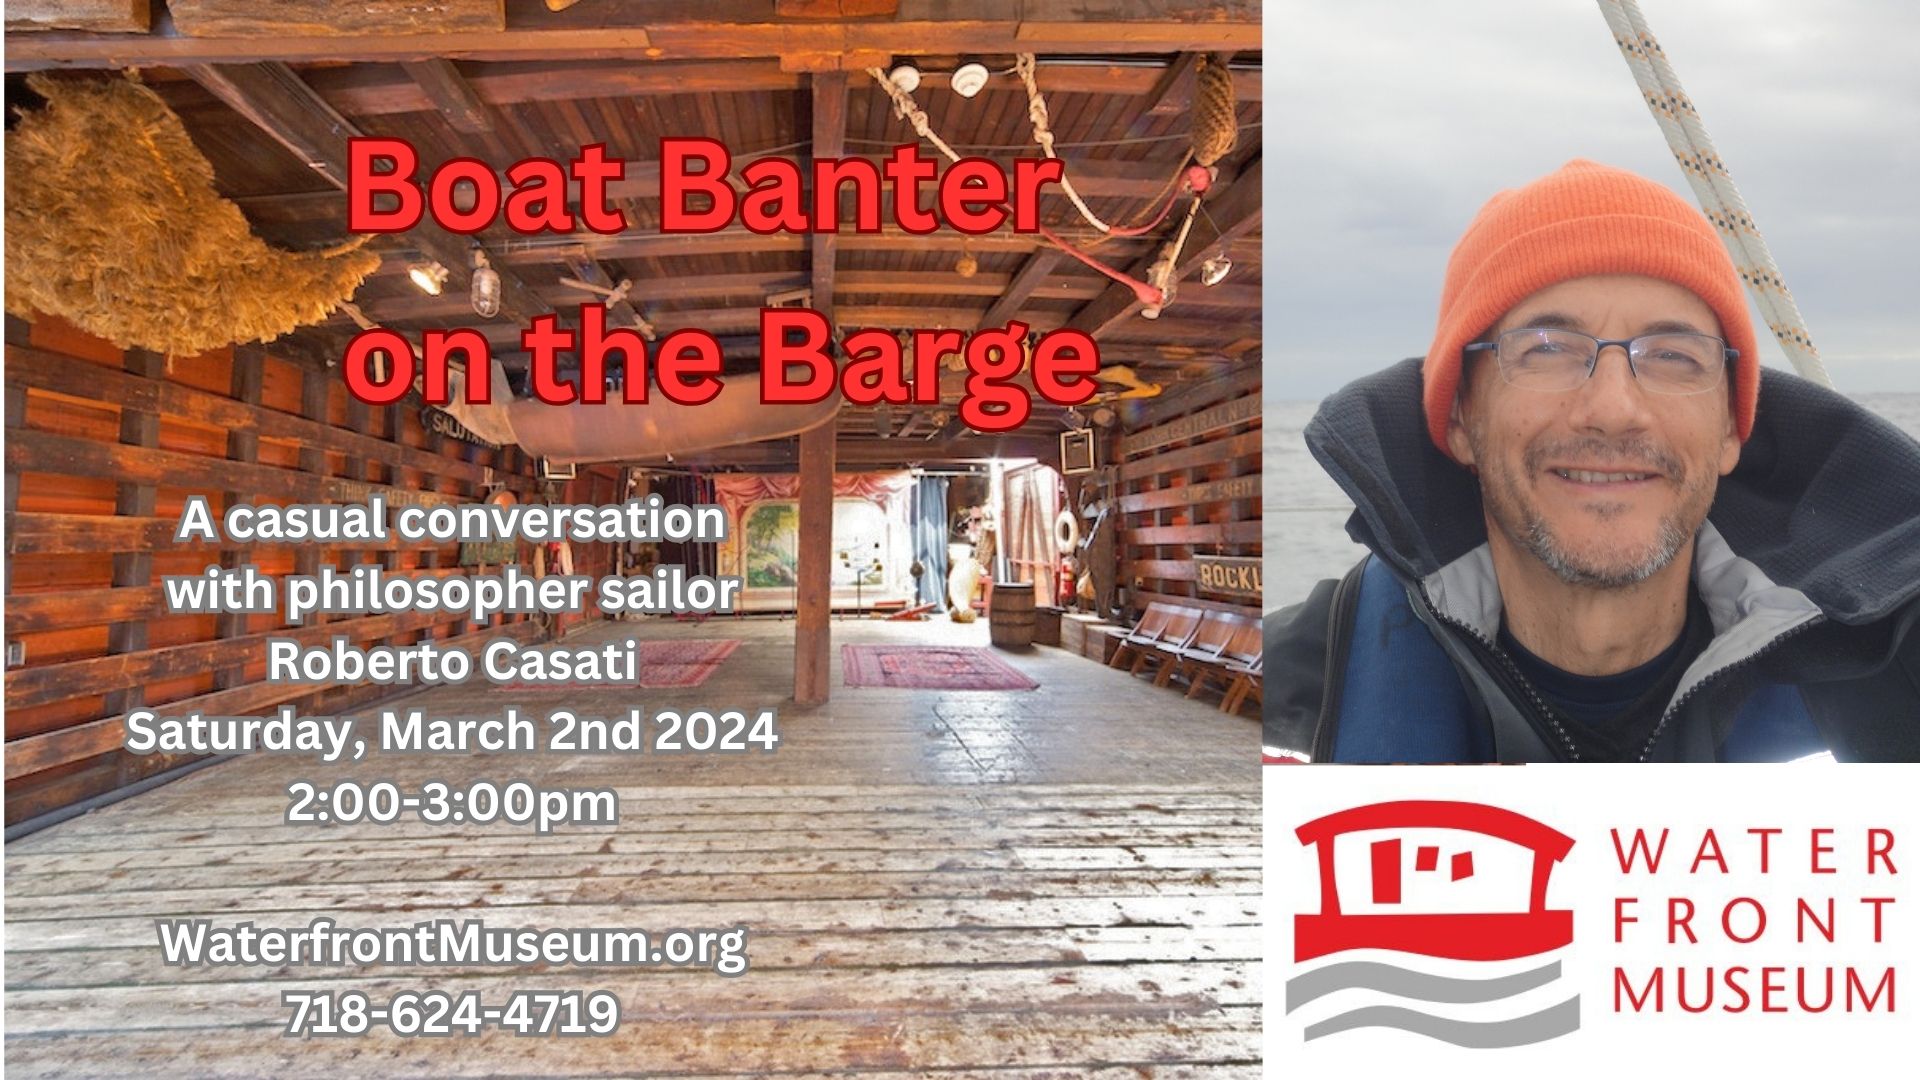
column 1809, row 566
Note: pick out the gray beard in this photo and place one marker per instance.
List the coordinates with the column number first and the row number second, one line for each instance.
column 1540, row 542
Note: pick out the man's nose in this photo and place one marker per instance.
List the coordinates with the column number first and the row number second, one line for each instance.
column 1611, row 399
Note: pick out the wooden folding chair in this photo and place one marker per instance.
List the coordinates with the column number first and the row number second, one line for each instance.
column 1182, row 626
column 1244, row 640
column 1214, row 633
column 1246, row 684
column 1152, row 625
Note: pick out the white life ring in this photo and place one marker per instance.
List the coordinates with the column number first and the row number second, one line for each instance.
column 1066, row 532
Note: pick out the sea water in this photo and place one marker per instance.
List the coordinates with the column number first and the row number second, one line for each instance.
column 1305, row 512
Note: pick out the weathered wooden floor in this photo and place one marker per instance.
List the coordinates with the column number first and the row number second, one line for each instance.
column 1057, row 883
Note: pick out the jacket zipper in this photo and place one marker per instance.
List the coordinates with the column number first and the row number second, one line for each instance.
column 1540, row 707
column 1646, row 752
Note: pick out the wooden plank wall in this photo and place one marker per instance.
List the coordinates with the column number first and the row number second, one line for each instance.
column 1197, row 494
column 102, row 450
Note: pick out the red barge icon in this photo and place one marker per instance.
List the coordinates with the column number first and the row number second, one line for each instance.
column 1452, row 936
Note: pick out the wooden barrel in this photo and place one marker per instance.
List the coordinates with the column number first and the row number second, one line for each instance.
column 1010, row 623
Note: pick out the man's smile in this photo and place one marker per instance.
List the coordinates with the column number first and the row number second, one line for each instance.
column 1614, row 480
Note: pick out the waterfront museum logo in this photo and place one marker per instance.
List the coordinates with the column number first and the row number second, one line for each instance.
column 1442, row 927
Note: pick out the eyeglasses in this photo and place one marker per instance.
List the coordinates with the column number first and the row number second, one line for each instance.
column 1542, row 359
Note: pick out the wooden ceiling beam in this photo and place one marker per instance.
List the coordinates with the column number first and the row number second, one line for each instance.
column 649, row 30
column 1172, row 93
column 372, row 90
column 1235, row 211
column 871, row 452
column 1227, row 294
column 275, row 99
column 450, row 95
column 277, row 18
column 740, row 286
column 740, row 241
column 1208, row 329
column 589, row 270
column 746, row 320
column 375, row 90
column 742, row 352
column 110, row 16
column 1032, row 274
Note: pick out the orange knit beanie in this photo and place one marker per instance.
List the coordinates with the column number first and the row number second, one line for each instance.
column 1582, row 220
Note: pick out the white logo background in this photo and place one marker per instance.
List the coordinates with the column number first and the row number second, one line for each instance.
column 1586, row 803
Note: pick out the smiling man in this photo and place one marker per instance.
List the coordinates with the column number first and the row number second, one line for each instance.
column 1613, row 538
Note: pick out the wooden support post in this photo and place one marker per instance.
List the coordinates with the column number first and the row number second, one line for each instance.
column 360, row 467
column 829, row 141
column 138, row 427
column 249, row 365
column 18, row 332
column 315, row 385
column 813, row 600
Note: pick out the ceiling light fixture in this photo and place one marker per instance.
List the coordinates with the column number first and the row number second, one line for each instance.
column 906, row 77
column 430, row 276
column 969, row 79
column 486, row 289
column 1215, row 270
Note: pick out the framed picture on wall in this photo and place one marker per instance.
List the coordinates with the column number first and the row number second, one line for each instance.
column 1076, row 452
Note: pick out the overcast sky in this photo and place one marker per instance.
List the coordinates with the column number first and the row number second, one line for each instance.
column 1391, row 121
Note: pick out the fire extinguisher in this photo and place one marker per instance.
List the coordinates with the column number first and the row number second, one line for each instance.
column 1063, row 582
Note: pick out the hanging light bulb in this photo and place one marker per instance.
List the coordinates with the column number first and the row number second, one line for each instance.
column 430, row 276
column 485, row 292
column 969, row 79
column 906, row 77
column 967, row 266
column 1215, row 270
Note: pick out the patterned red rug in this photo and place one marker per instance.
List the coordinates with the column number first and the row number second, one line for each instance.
column 663, row 664
column 930, row 667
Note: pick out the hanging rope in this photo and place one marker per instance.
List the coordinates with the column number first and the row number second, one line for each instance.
column 1215, row 131
column 1042, row 134
column 907, row 109
column 1712, row 185
column 1214, row 128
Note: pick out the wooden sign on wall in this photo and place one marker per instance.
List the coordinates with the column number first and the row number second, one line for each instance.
column 1228, row 575
column 1227, row 414
column 447, row 424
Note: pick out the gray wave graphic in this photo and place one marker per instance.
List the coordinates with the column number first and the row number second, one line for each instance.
column 1548, row 1023
column 1400, row 982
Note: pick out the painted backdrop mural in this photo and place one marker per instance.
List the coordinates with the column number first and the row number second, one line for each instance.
column 872, row 539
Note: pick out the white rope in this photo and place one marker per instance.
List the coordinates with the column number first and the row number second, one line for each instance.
column 1043, row 134
column 1712, row 185
column 906, row 109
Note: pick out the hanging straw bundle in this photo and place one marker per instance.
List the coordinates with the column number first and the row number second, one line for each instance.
column 113, row 224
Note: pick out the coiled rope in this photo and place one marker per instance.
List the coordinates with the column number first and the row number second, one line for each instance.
column 1214, row 127
column 1712, row 185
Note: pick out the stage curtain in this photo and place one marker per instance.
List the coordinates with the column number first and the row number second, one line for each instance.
column 930, row 537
